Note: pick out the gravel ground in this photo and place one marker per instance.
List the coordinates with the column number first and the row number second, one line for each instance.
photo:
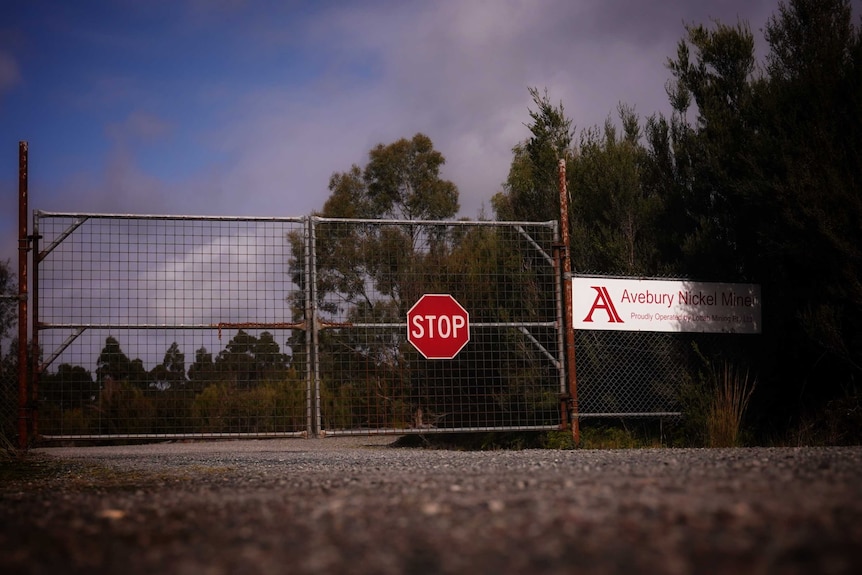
column 356, row 505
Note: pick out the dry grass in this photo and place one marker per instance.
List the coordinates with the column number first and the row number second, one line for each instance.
column 7, row 449
column 732, row 392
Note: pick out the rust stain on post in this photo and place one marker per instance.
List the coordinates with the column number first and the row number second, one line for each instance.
column 567, row 297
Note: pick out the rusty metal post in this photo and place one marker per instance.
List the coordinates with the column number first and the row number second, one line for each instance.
column 567, row 295
column 23, row 248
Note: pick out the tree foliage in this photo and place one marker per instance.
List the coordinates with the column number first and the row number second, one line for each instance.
column 69, row 387
column 249, row 360
column 113, row 363
column 755, row 177
column 613, row 215
column 776, row 184
column 531, row 189
column 250, row 373
column 401, row 181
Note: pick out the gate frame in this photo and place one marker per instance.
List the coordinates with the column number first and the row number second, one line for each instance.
column 559, row 324
column 311, row 325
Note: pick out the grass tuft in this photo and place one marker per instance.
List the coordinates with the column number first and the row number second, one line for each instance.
column 732, row 392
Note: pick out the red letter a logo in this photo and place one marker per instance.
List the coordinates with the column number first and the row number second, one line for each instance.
column 603, row 301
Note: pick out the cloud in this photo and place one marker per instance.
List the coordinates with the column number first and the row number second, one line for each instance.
column 139, row 126
column 358, row 74
column 457, row 71
column 212, row 268
column 10, row 75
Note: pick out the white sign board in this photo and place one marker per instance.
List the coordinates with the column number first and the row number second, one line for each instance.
column 665, row 305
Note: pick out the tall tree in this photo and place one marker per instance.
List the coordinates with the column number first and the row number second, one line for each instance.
column 401, row 181
column 172, row 370
column 247, row 360
column 720, row 199
column 814, row 173
column 113, row 363
column 202, row 372
column 269, row 359
column 613, row 214
column 771, row 189
column 531, row 191
column 375, row 272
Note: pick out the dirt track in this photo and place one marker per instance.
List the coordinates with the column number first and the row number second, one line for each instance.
column 358, row 506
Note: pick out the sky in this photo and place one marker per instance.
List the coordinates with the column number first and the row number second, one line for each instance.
column 247, row 107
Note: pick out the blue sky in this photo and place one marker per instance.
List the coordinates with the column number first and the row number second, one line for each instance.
column 247, row 107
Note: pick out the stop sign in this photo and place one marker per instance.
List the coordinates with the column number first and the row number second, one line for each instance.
column 437, row 326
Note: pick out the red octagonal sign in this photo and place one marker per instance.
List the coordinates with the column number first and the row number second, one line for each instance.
column 437, row 326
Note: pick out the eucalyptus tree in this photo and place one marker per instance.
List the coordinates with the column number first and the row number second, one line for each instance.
column 247, row 361
column 113, row 363
column 373, row 272
column 202, row 371
column 401, row 181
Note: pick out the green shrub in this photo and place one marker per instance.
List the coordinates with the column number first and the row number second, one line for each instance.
column 608, row 437
column 839, row 422
column 272, row 406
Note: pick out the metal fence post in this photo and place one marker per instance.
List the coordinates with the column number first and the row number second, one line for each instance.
column 313, row 327
column 567, row 276
column 309, row 315
column 23, row 248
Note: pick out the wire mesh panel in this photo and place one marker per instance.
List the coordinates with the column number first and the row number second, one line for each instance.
column 631, row 373
column 8, row 387
column 168, row 326
column 371, row 378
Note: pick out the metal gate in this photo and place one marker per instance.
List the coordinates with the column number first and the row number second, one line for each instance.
column 176, row 326
column 368, row 274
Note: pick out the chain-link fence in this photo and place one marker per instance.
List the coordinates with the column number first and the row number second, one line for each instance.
column 159, row 326
column 631, row 373
column 8, row 357
column 8, row 392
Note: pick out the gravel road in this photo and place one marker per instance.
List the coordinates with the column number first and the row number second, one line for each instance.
column 357, row 505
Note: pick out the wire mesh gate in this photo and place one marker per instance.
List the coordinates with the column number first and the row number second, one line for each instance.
column 174, row 326
column 166, row 326
column 369, row 274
